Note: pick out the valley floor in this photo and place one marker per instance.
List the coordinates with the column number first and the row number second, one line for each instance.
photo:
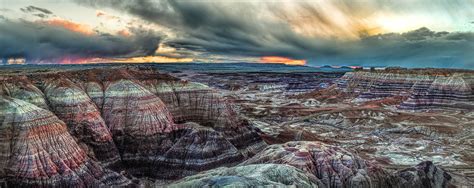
column 308, row 106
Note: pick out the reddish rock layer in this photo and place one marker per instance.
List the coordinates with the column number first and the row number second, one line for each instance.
column 37, row 151
column 72, row 105
column 191, row 148
column 119, row 114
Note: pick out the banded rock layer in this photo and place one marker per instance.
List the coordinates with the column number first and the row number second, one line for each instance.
column 258, row 175
column 336, row 167
column 423, row 91
column 84, row 121
column 116, row 118
column 38, row 151
column 315, row 164
column 425, row 174
column 195, row 148
column 454, row 92
column 21, row 88
column 146, row 124
column 136, row 118
column 194, row 102
column 333, row 166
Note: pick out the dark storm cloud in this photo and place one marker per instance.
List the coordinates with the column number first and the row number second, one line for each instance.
column 41, row 15
column 37, row 11
column 37, row 41
column 418, row 48
column 33, row 9
column 207, row 27
column 213, row 29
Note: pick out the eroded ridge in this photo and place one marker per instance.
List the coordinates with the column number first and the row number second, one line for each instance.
column 117, row 120
column 38, row 151
column 421, row 91
column 127, row 126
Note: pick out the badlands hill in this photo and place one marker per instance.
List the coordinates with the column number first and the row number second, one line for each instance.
column 126, row 126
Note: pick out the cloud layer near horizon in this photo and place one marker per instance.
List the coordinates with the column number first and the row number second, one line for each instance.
column 42, row 41
column 375, row 33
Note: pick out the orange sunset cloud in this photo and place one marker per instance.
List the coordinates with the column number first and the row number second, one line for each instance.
column 283, row 60
column 72, row 26
column 143, row 59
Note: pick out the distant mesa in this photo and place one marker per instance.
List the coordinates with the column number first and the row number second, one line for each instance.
column 424, row 89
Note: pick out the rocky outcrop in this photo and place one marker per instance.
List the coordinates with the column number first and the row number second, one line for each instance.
column 194, row 102
column 334, row 166
column 423, row 91
column 135, row 116
column 20, row 87
column 259, row 175
column 377, row 85
column 95, row 91
column 37, row 151
column 73, row 106
column 425, row 174
column 189, row 101
column 148, row 137
column 154, row 126
column 130, row 107
column 120, row 120
column 453, row 92
column 195, row 148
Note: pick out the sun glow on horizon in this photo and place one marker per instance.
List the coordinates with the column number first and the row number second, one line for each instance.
column 143, row 59
column 282, row 60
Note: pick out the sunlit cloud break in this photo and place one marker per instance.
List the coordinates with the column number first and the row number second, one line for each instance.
column 76, row 27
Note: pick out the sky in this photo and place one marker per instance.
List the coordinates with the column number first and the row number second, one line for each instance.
column 408, row 33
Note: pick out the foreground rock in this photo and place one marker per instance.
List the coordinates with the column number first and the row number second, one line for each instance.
column 137, row 119
column 20, row 87
column 152, row 127
column 37, row 151
column 260, row 175
column 334, row 166
column 120, row 121
column 196, row 148
column 84, row 121
column 315, row 164
column 425, row 174
column 194, row 102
